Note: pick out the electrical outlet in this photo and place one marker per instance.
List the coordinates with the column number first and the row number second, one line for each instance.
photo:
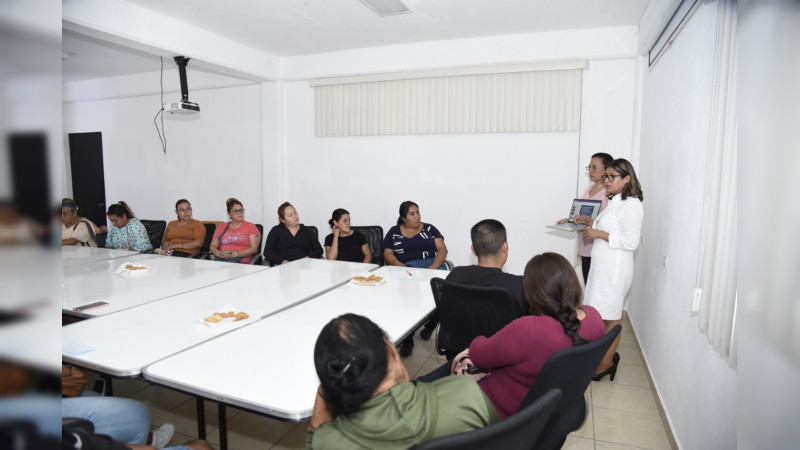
column 696, row 300
column 664, row 260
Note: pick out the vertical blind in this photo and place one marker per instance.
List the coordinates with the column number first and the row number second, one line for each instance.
column 506, row 102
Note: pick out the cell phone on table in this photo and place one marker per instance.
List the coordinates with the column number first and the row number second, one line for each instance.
column 90, row 306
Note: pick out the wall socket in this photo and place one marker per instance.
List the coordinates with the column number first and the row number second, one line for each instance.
column 696, row 300
column 664, row 260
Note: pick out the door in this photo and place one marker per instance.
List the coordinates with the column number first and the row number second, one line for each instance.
column 88, row 181
column 31, row 184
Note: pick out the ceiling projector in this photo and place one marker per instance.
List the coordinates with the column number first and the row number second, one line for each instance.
column 184, row 106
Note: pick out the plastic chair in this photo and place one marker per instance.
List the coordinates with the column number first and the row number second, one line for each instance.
column 517, row 431
column 374, row 234
column 467, row 311
column 155, row 231
column 570, row 370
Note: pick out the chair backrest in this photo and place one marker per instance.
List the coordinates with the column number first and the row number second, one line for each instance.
column 374, row 234
column 155, row 230
column 211, row 227
column 261, row 243
column 467, row 311
column 570, row 370
column 517, row 431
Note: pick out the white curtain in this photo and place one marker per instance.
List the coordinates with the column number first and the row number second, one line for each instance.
column 718, row 276
column 517, row 101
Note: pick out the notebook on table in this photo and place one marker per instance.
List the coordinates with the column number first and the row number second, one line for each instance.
column 580, row 207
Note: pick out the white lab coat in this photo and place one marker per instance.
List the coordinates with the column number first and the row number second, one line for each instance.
column 611, row 271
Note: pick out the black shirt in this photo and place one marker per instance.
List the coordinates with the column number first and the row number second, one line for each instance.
column 349, row 246
column 281, row 245
column 492, row 277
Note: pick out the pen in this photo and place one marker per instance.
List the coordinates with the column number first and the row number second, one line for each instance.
column 409, row 273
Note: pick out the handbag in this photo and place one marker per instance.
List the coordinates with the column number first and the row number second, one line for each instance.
column 73, row 380
column 463, row 365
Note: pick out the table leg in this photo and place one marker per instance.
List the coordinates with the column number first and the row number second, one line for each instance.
column 201, row 419
column 223, row 428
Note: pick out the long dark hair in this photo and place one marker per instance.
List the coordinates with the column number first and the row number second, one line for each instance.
column 552, row 289
column 337, row 215
column 404, row 207
column 351, row 358
column 120, row 209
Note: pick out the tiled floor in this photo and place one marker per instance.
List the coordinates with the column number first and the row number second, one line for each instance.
column 623, row 413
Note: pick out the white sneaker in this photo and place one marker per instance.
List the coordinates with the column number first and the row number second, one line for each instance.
column 163, row 435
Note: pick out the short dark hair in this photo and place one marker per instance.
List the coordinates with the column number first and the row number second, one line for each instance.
column 488, row 237
column 337, row 215
column 183, row 200
column 351, row 358
column 229, row 203
column 605, row 157
column 404, row 207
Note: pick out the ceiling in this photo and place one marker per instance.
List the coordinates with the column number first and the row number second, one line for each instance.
column 301, row 27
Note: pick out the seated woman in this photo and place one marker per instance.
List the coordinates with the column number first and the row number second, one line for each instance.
column 237, row 240
column 185, row 236
column 290, row 240
column 413, row 243
column 345, row 244
column 515, row 355
column 74, row 230
column 365, row 398
column 97, row 230
column 126, row 232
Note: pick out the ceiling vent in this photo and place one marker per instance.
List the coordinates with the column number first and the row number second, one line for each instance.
column 386, row 7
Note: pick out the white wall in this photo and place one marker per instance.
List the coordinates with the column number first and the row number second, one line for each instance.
column 210, row 156
column 525, row 180
column 695, row 384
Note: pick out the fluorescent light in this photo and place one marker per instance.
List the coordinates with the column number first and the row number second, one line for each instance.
column 386, row 7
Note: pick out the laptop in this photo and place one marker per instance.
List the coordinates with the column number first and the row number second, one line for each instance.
column 580, row 207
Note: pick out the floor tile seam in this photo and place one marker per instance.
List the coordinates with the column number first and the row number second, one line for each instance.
column 619, row 443
column 619, row 383
column 654, row 414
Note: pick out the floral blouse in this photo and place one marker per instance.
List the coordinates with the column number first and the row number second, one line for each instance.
column 118, row 237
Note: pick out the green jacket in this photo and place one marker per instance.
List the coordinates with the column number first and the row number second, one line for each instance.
column 408, row 414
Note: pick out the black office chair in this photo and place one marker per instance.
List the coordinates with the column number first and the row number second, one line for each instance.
column 264, row 253
column 517, row 431
column 570, row 370
column 155, row 231
column 466, row 312
column 205, row 249
column 259, row 257
column 374, row 234
column 77, row 423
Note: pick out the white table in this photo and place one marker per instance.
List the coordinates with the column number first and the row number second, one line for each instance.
column 122, row 344
column 73, row 255
column 277, row 376
column 88, row 283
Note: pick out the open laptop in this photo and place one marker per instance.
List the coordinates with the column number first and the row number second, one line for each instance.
column 580, row 207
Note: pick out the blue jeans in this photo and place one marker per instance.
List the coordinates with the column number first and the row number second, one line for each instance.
column 424, row 263
column 123, row 419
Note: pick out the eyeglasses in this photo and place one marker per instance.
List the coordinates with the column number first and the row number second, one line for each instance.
column 237, row 211
column 610, row 177
column 593, row 168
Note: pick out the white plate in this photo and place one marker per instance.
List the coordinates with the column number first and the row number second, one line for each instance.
column 370, row 283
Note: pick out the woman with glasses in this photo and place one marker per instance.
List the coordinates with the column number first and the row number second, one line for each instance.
column 184, row 236
column 595, row 191
column 616, row 234
column 237, row 240
column 290, row 240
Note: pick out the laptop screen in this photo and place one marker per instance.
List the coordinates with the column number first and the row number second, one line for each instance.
column 581, row 207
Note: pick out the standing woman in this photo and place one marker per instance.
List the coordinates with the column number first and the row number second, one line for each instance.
column 616, row 234
column 184, row 236
column 237, row 240
column 345, row 244
column 126, row 232
column 595, row 191
column 74, row 229
column 290, row 240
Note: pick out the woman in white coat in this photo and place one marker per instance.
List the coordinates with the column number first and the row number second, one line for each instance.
column 616, row 233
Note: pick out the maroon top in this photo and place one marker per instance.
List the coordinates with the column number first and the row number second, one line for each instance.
column 517, row 353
